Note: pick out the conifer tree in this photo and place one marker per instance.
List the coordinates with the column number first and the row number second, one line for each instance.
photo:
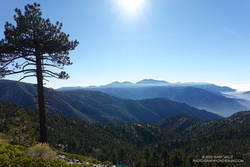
column 34, row 47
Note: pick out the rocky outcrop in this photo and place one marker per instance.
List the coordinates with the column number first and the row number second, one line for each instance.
column 76, row 161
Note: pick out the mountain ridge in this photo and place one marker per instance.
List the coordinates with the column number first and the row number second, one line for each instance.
column 152, row 82
column 196, row 97
column 96, row 106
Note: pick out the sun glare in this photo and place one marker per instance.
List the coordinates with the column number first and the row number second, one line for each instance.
column 131, row 7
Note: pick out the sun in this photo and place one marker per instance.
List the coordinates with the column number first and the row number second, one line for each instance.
column 131, row 6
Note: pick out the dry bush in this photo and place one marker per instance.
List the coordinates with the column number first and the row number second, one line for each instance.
column 42, row 150
column 3, row 139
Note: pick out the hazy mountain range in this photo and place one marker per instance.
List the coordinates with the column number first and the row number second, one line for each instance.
column 205, row 96
column 153, row 83
column 96, row 106
column 147, row 100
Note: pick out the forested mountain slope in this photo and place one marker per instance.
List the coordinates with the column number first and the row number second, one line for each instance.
column 131, row 141
column 96, row 106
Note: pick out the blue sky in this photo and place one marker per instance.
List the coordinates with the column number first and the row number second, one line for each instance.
column 172, row 40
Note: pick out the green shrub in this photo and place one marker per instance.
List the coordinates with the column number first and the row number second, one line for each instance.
column 42, row 150
column 10, row 153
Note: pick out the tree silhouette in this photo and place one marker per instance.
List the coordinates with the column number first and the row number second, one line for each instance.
column 155, row 160
column 177, row 161
column 165, row 158
column 146, row 155
column 34, row 47
column 121, row 155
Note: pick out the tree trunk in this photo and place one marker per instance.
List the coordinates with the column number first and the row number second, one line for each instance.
column 41, row 101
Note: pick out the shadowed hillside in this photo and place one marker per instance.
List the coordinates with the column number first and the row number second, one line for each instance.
column 98, row 107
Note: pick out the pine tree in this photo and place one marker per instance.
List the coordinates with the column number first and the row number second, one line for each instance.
column 34, row 47
column 146, row 156
column 165, row 158
column 21, row 130
column 177, row 161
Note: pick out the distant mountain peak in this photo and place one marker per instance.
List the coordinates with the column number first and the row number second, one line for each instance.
column 241, row 114
column 246, row 93
column 119, row 84
column 152, row 81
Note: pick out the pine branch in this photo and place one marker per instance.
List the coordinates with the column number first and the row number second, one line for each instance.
column 18, row 72
column 48, row 75
column 8, row 62
column 52, row 65
column 28, row 64
column 50, row 72
column 27, row 76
